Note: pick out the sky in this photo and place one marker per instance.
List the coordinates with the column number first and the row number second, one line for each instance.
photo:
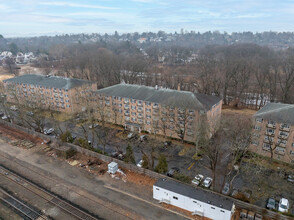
column 24, row 18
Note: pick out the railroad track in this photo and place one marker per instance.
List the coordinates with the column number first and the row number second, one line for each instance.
column 51, row 198
column 24, row 209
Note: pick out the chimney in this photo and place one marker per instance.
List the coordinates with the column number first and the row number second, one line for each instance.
column 179, row 87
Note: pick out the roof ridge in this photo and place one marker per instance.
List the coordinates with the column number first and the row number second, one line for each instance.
column 276, row 110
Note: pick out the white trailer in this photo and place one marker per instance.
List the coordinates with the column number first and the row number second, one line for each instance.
column 196, row 200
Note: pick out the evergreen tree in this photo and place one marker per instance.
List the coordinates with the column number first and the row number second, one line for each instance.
column 145, row 163
column 162, row 165
column 129, row 157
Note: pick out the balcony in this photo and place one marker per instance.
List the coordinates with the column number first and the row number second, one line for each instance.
column 127, row 114
column 155, row 106
column 140, row 109
column 283, row 136
column 270, row 133
column 284, row 128
column 271, row 125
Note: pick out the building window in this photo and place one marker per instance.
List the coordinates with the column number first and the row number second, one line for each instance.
column 292, row 144
column 148, row 110
column 258, row 120
column 148, row 122
column 133, row 107
column 174, row 197
column 271, row 123
column 266, row 147
column 256, row 135
column 256, row 143
column 133, row 101
column 258, row 128
column 148, row 103
column 291, row 152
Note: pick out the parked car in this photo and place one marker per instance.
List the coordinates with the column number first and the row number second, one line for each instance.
column 140, row 163
column 283, row 205
column 30, row 113
column 226, row 189
column 197, row 179
column 13, row 108
column 173, row 171
column 4, row 117
column 207, row 182
column 290, row 178
column 271, row 204
column 131, row 135
column 143, row 138
column 48, row 131
column 93, row 126
column 167, row 143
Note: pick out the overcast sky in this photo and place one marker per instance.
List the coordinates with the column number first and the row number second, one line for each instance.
column 42, row 17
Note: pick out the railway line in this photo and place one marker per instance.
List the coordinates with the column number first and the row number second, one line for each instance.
column 25, row 210
column 63, row 205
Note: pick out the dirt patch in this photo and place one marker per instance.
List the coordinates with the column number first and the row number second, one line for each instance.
column 16, row 135
column 139, row 179
column 5, row 76
column 241, row 111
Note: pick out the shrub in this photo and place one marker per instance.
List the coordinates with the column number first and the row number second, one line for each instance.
column 162, row 165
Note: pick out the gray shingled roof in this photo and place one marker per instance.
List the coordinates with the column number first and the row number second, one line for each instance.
column 168, row 97
column 278, row 112
column 52, row 81
column 196, row 193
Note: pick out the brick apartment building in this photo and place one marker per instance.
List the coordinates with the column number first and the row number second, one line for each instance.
column 166, row 112
column 273, row 132
column 48, row 92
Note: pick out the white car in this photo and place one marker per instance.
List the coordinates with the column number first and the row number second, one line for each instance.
column 48, row 131
column 197, row 179
column 93, row 126
column 284, row 205
column 140, row 163
column 207, row 182
column 4, row 117
column 13, row 108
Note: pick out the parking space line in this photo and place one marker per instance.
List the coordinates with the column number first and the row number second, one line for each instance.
column 190, row 167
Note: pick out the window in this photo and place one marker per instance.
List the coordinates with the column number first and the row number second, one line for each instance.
column 133, row 107
column 194, row 201
column 148, row 103
column 212, row 207
column 256, row 135
column 271, row 123
column 283, row 134
column 281, row 141
column 157, row 189
column 148, row 110
column 222, row 211
column 148, row 122
column 284, row 125
column 292, row 144
column 266, row 147
column 174, row 197
column 134, row 113
column 114, row 97
column 258, row 128
column 258, row 120
column 291, row 152
column 133, row 101
column 256, row 143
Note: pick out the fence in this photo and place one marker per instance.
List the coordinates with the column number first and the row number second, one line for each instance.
column 239, row 204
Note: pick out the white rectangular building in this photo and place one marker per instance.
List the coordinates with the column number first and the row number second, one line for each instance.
column 112, row 167
column 196, row 200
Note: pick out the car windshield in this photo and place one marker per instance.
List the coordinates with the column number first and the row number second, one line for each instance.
column 271, row 202
column 283, row 206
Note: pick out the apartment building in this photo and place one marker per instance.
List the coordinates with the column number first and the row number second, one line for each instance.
column 48, row 92
column 156, row 110
column 273, row 132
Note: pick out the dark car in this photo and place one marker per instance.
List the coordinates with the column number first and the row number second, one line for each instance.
column 226, row 189
column 271, row 204
column 173, row 171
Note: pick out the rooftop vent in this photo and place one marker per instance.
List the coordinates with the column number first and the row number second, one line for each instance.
column 208, row 202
